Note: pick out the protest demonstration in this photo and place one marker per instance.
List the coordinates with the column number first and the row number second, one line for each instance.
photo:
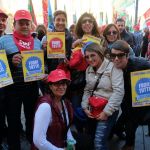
column 74, row 75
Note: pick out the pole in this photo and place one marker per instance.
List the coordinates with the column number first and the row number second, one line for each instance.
column 136, row 11
column 55, row 5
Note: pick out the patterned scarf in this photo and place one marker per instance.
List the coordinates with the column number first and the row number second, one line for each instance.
column 23, row 42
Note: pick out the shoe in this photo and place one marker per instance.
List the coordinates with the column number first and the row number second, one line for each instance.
column 128, row 147
column 121, row 135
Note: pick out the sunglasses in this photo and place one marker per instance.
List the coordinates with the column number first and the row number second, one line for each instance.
column 119, row 56
column 111, row 33
column 87, row 20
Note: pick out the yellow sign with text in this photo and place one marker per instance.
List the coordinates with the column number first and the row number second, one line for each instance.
column 33, row 65
column 94, row 39
column 56, row 45
column 140, row 84
column 5, row 74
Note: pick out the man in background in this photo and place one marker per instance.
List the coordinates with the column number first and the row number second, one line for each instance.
column 123, row 33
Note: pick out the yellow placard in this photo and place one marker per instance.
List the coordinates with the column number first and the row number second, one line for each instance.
column 140, row 84
column 5, row 74
column 56, row 45
column 92, row 39
column 33, row 65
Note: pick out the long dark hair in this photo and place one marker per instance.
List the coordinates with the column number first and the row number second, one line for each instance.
column 78, row 30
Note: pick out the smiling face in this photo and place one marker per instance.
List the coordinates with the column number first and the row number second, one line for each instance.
column 3, row 21
column 87, row 25
column 23, row 26
column 58, row 88
column 119, row 58
column 112, row 34
column 60, row 22
column 93, row 59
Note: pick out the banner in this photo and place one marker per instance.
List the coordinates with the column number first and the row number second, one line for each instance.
column 92, row 39
column 31, row 10
column 33, row 65
column 147, row 17
column 140, row 84
column 50, row 16
column 56, row 45
column 5, row 74
column 45, row 12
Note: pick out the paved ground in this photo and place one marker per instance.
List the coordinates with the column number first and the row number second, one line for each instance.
column 142, row 140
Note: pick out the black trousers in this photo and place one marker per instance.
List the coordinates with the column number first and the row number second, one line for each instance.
column 2, row 114
column 16, row 95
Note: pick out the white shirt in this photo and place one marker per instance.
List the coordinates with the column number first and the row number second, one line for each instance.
column 43, row 119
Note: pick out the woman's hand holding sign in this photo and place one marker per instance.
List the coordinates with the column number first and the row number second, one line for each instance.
column 17, row 58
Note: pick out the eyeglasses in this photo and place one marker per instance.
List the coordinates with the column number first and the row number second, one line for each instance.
column 87, row 20
column 119, row 56
column 111, row 33
column 92, row 56
column 59, row 83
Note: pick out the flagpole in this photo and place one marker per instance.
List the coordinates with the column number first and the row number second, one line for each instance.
column 136, row 11
column 55, row 5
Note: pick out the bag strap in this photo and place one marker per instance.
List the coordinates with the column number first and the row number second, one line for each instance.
column 98, row 79
column 65, row 120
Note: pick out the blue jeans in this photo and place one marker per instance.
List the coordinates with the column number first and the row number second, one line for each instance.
column 102, row 132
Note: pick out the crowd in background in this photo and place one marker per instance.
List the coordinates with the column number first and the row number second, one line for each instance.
column 89, row 70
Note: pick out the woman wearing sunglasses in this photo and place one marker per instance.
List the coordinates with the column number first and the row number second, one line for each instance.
column 112, row 34
column 54, row 115
column 110, row 86
column 86, row 25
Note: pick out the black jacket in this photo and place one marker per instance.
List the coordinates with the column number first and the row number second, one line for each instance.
column 134, row 64
column 127, row 37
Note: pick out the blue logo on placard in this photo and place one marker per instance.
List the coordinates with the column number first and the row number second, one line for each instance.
column 143, row 88
column 3, row 69
column 33, row 65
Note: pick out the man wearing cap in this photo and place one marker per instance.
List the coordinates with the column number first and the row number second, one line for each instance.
column 19, row 92
column 3, row 21
column 131, row 117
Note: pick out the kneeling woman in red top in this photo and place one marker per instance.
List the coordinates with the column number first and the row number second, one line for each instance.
column 54, row 115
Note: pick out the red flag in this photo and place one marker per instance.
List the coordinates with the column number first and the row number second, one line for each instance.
column 45, row 12
column 147, row 17
column 31, row 10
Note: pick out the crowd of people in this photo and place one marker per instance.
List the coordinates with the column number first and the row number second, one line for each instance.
column 85, row 90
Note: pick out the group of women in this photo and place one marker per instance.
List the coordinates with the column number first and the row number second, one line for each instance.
column 54, row 113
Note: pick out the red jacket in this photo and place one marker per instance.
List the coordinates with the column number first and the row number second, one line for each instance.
column 77, row 60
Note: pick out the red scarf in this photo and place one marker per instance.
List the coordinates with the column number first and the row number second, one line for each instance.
column 23, row 42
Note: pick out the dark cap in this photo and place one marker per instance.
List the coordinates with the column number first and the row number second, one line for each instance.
column 2, row 13
column 121, row 46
